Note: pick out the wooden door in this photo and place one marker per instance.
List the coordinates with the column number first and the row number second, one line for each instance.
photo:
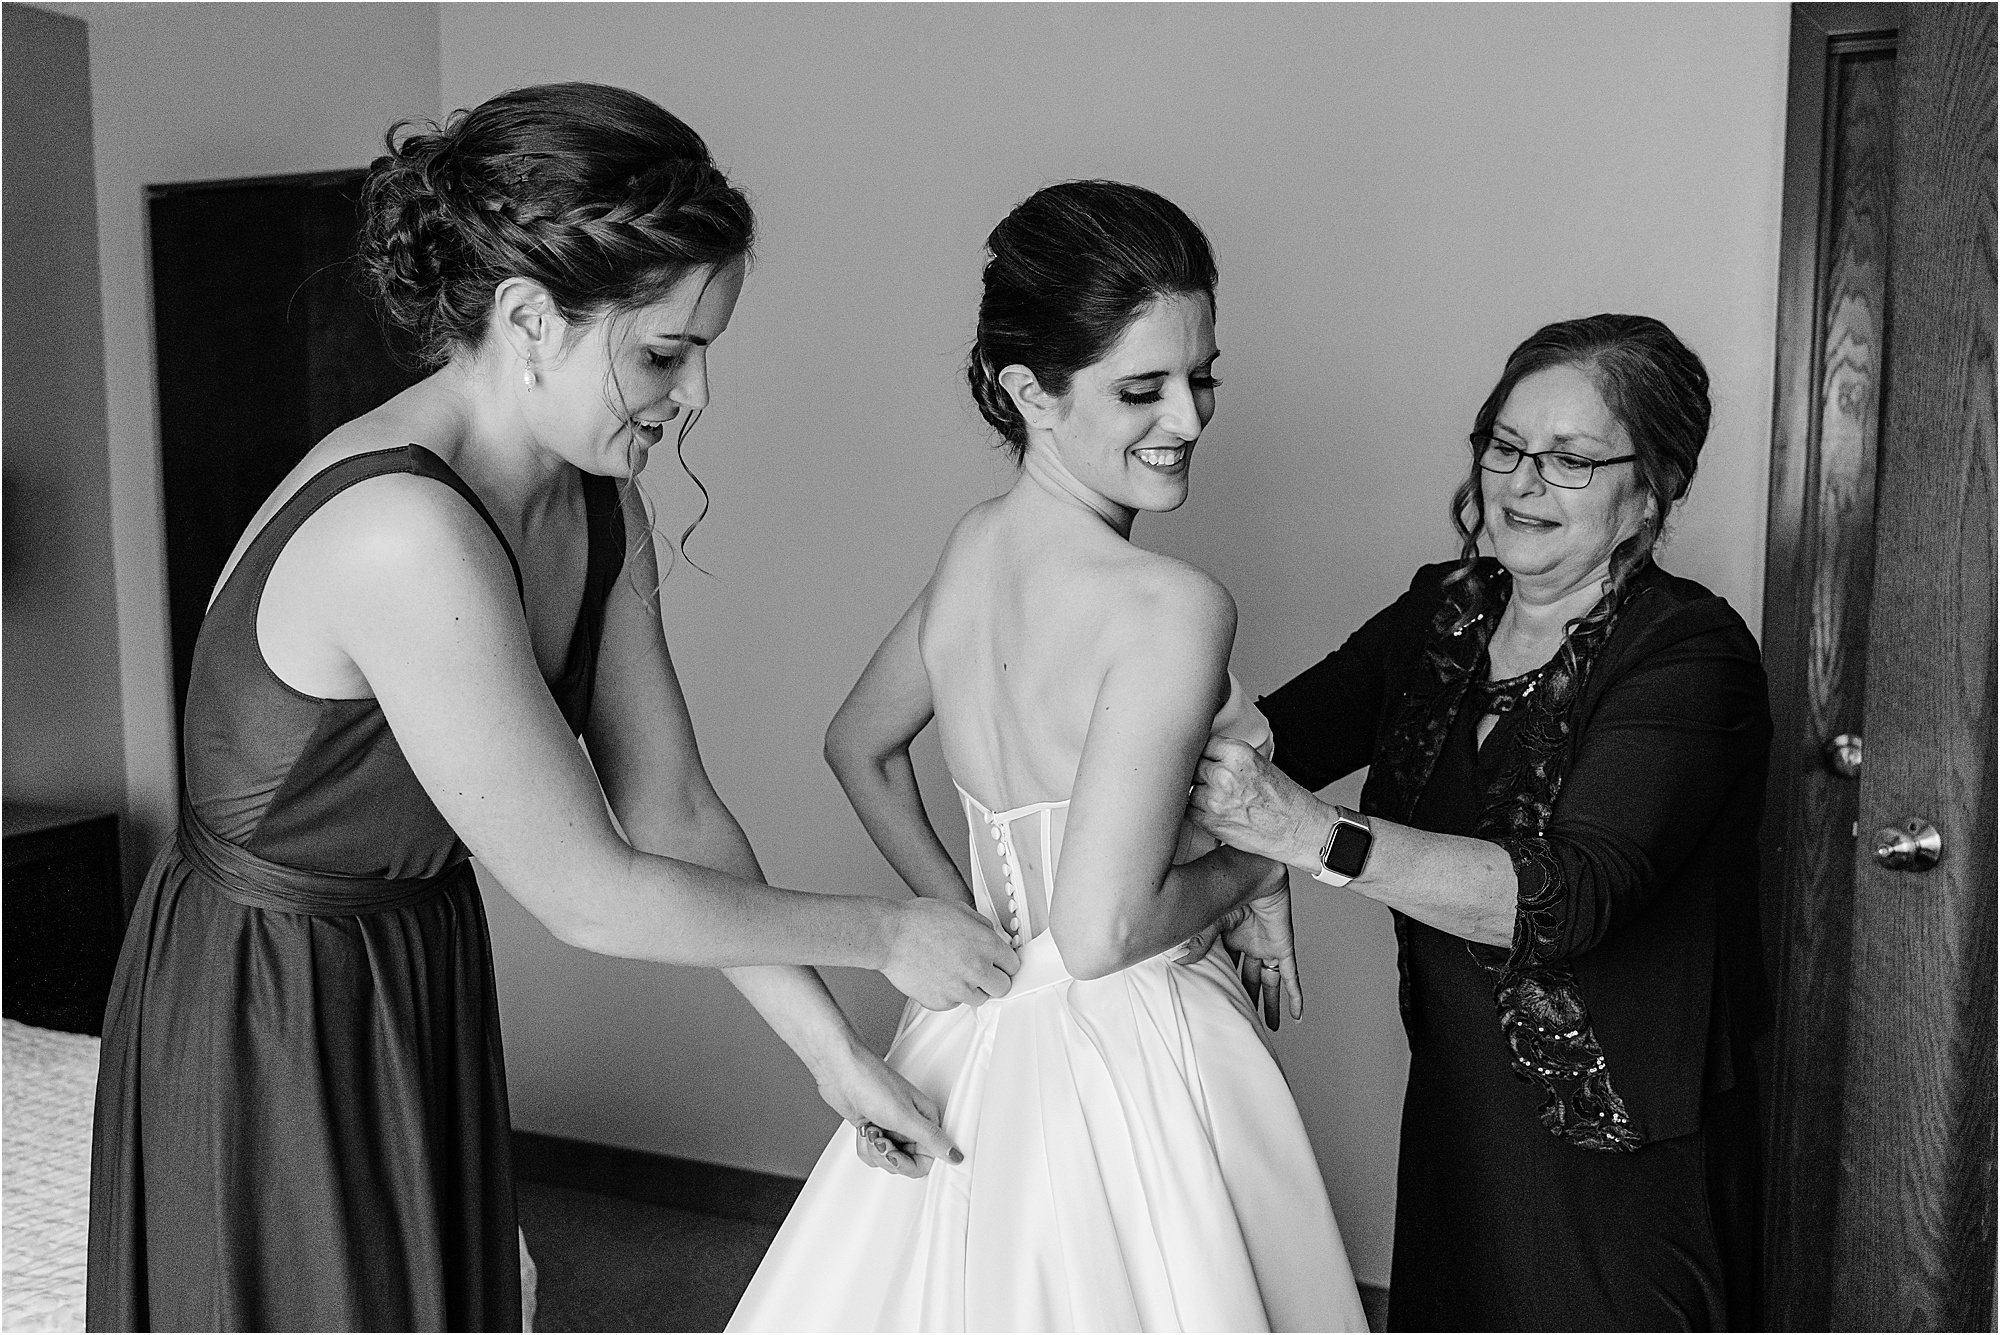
column 1880, row 626
column 1914, row 1214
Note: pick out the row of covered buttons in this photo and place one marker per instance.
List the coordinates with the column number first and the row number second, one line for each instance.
column 1012, row 877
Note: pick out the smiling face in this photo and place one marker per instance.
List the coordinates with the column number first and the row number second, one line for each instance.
column 1128, row 425
column 610, row 394
column 1551, row 536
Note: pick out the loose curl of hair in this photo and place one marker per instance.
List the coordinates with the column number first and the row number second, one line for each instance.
column 1656, row 388
column 600, row 196
column 1067, row 273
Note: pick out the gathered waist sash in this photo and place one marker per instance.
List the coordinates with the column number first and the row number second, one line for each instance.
column 258, row 883
column 1042, row 966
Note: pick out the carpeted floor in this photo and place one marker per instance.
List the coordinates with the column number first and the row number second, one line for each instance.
column 606, row 1263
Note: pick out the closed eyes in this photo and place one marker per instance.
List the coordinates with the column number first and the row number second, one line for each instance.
column 667, row 359
column 1138, row 397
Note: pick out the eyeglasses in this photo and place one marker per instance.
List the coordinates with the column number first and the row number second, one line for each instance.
column 1558, row 468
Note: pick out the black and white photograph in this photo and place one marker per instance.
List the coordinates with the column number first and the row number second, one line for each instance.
column 959, row 666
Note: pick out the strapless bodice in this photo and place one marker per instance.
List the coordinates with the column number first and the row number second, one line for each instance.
column 1015, row 853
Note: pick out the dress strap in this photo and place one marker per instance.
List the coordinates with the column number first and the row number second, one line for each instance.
column 425, row 463
column 604, row 520
column 259, row 883
column 336, row 477
column 604, row 524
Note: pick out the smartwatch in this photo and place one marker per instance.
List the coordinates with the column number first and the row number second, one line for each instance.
column 1346, row 849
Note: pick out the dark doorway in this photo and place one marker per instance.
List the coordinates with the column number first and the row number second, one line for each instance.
column 265, row 345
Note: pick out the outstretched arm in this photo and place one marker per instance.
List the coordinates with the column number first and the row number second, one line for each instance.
column 868, row 748
column 1456, row 884
column 643, row 743
column 410, row 585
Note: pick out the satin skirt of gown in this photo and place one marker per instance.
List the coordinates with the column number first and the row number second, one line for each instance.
column 1134, row 1159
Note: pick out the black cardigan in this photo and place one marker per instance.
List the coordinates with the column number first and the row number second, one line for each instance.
column 1652, row 839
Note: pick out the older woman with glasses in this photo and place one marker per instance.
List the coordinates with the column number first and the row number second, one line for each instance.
column 1566, row 749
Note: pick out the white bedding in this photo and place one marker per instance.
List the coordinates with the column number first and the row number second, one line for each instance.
column 49, row 1084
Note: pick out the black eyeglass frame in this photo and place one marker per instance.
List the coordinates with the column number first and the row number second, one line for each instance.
column 1482, row 440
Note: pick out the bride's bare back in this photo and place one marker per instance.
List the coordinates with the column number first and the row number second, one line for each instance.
column 1031, row 605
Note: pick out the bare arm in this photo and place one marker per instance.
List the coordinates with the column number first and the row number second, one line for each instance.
column 416, row 592
column 868, row 748
column 1458, row 885
column 643, row 742
column 1149, row 721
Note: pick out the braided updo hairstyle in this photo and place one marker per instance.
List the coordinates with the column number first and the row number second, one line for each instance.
column 594, row 192
column 1068, row 271
column 1657, row 389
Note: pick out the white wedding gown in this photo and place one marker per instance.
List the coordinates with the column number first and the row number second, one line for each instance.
column 1133, row 1157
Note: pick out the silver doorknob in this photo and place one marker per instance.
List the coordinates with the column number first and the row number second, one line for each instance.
column 1843, row 754
column 1915, row 845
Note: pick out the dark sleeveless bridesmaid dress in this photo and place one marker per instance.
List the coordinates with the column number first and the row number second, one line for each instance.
column 302, row 1106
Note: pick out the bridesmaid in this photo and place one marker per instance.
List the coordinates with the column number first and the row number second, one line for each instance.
column 302, row 1112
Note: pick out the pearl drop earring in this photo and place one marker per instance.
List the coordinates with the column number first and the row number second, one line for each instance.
column 528, row 377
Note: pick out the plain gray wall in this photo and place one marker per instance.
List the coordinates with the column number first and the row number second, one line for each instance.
column 63, row 729
column 1397, row 195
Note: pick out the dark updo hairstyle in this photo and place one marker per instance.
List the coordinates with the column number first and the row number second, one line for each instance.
column 1654, row 386
column 594, row 192
column 1068, row 271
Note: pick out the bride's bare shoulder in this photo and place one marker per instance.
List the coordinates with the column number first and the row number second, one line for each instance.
column 969, row 542
column 1156, row 599
column 976, row 523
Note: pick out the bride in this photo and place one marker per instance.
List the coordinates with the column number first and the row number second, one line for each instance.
column 1133, row 1159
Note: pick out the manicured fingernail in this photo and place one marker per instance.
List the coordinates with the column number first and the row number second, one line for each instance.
column 957, row 1156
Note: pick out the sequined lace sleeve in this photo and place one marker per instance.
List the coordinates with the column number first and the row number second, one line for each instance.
column 1652, row 769
column 1543, row 1018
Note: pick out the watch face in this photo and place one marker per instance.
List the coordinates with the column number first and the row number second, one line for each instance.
column 1350, row 850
